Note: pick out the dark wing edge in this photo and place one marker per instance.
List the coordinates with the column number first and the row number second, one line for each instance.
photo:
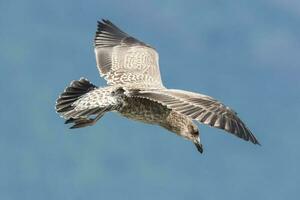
column 109, row 35
column 207, row 111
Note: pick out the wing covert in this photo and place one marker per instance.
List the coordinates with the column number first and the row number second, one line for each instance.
column 123, row 59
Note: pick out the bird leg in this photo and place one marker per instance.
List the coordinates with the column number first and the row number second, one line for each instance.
column 83, row 122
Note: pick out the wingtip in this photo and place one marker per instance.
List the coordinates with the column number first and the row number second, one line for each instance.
column 101, row 23
column 258, row 143
column 104, row 22
column 253, row 139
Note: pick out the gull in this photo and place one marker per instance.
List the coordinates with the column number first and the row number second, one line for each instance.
column 135, row 90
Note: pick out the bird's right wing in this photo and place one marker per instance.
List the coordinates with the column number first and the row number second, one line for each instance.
column 201, row 108
column 124, row 60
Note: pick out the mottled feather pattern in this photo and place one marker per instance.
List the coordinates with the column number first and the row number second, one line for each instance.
column 144, row 110
column 82, row 99
column 71, row 94
column 100, row 97
column 135, row 90
column 201, row 108
column 124, row 60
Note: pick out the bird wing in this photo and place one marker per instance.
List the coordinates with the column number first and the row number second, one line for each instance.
column 201, row 108
column 124, row 60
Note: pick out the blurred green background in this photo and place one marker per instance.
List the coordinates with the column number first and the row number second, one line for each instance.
column 244, row 53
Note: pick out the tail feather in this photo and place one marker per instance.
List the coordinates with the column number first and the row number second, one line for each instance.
column 83, row 104
column 71, row 94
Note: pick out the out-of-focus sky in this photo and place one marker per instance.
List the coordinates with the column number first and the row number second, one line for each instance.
column 244, row 53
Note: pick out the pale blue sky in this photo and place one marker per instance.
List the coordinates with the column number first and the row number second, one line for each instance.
column 244, row 53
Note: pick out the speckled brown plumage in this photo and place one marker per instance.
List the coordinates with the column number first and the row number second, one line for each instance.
column 135, row 90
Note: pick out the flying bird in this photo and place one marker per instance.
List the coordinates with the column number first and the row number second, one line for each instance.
column 135, row 90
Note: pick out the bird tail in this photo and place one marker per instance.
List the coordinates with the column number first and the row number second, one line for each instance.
column 64, row 103
column 81, row 116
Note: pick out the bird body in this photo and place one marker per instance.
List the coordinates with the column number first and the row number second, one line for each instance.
column 151, row 112
column 135, row 90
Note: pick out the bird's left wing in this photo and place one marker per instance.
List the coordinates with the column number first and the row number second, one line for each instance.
column 123, row 59
column 201, row 108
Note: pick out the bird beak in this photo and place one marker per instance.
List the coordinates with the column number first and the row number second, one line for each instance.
column 198, row 145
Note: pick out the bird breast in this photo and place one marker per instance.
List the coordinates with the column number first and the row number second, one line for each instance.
column 144, row 110
column 151, row 112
